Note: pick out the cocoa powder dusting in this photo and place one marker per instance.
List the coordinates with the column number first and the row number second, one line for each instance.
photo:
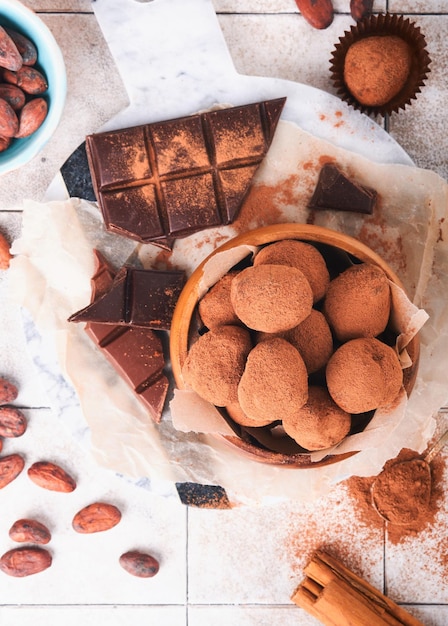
column 359, row 490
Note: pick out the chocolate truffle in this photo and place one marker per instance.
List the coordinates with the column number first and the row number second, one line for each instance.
column 376, row 68
column 271, row 298
column 215, row 307
column 364, row 374
column 274, row 383
column 301, row 255
column 215, row 363
column 237, row 414
column 312, row 338
column 358, row 302
column 319, row 423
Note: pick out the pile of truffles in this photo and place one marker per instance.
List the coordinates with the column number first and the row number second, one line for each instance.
column 290, row 343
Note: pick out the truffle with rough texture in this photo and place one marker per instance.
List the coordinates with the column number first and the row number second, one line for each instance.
column 358, row 302
column 215, row 363
column 274, row 383
column 237, row 414
column 215, row 307
column 271, row 298
column 301, row 255
column 364, row 374
column 320, row 423
column 376, row 68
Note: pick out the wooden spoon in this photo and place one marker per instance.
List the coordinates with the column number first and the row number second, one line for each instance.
column 402, row 490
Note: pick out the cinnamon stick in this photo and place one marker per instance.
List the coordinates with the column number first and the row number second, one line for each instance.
column 338, row 597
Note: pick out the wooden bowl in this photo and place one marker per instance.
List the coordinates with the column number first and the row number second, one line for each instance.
column 183, row 323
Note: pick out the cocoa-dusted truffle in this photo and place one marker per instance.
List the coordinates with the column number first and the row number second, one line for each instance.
column 358, row 302
column 274, row 383
column 319, row 423
column 271, row 298
column 364, row 374
column 376, row 68
column 215, row 307
column 312, row 338
column 301, row 255
column 238, row 415
column 215, row 363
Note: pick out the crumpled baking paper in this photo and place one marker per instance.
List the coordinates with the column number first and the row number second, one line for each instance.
column 50, row 276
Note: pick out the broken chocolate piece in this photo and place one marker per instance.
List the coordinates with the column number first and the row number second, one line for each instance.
column 335, row 192
column 136, row 297
column 135, row 353
column 169, row 179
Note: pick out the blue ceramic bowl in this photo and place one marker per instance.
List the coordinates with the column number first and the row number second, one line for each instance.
column 50, row 62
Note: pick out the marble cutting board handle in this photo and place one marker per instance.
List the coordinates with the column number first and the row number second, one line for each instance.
column 169, row 71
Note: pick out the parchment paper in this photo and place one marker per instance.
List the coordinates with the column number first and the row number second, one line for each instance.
column 51, row 273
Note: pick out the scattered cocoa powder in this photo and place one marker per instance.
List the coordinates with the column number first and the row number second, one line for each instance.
column 359, row 490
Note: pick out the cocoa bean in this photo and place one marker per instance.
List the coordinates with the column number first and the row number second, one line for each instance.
column 96, row 517
column 10, row 57
column 318, row 13
column 9, row 122
column 27, row 78
column 51, row 476
column 29, row 531
column 360, row 9
column 21, row 562
column 5, row 142
column 139, row 564
column 8, row 391
column 13, row 95
column 25, row 46
column 10, row 468
column 5, row 255
column 1, row 444
column 12, row 422
column 31, row 117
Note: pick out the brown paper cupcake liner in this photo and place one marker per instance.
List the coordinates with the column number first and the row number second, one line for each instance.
column 383, row 25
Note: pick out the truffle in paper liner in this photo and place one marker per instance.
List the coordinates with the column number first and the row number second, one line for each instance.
column 383, row 25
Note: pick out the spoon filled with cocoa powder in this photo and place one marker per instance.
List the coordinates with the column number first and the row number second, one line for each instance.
column 402, row 491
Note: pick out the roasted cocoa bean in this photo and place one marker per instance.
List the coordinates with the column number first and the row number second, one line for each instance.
column 51, row 476
column 318, row 13
column 29, row 531
column 21, row 562
column 31, row 117
column 9, row 122
column 10, row 57
column 139, row 564
column 13, row 95
column 360, row 9
column 25, row 46
column 12, row 422
column 5, row 142
column 96, row 517
column 27, row 78
column 5, row 255
column 8, row 391
column 10, row 468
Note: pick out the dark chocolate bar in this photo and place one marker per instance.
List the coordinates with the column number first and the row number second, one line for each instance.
column 169, row 179
column 137, row 298
column 335, row 192
column 135, row 353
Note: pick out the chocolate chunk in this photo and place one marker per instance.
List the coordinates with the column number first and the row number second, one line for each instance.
column 335, row 192
column 169, row 179
column 203, row 496
column 136, row 297
column 135, row 353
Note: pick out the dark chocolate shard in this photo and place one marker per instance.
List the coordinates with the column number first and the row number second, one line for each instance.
column 169, row 179
column 136, row 298
column 335, row 192
column 203, row 496
column 135, row 353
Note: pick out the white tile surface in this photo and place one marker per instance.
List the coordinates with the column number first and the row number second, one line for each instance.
column 217, row 567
